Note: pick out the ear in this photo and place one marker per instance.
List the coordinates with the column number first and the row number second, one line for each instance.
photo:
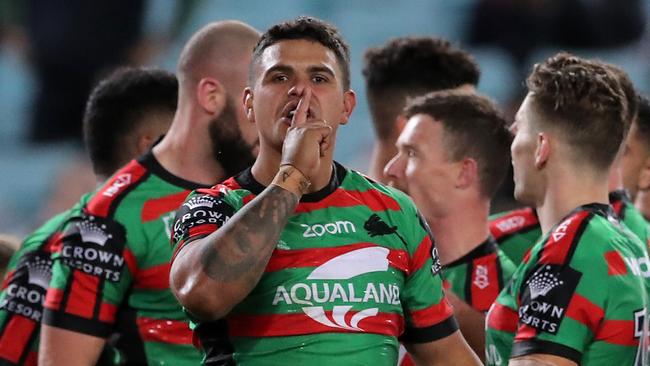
column 349, row 102
column 211, row 95
column 247, row 100
column 644, row 175
column 468, row 173
column 543, row 150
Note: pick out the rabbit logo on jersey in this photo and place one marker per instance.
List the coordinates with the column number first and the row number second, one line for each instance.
column 326, row 284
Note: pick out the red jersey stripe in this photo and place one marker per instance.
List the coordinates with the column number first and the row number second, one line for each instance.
column 502, row 318
column 485, row 282
column 559, row 243
column 101, row 202
column 373, row 199
column 154, row 278
column 585, row 312
column 83, row 294
column 615, row 263
column 32, row 359
column 131, row 262
column 525, row 332
column 432, row 315
column 107, row 312
column 15, row 337
column 314, row 257
column 53, row 298
column 513, row 222
column 422, row 254
column 154, row 208
column 274, row 325
column 53, row 243
column 619, row 332
column 164, row 331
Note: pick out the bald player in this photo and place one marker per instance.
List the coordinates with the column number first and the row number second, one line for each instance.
column 111, row 273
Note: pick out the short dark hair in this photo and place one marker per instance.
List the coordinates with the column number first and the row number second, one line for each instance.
column 643, row 119
column 116, row 106
column 473, row 127
column 629, row 92
column 411, row 66
column 584, row 99
column 311, row 29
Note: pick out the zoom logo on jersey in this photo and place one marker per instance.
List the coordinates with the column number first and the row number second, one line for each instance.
column 25, row 293
column 639, row 266
column 327, row 285
column 95, row 245
column 332, row 228
column 198, row 211
column 546, row 294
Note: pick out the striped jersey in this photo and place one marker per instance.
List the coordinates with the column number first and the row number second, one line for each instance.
column 111, row 271
column 23, row 293
column 517, row 231
column 581, row 294
column 479, row 276
column 354, row 269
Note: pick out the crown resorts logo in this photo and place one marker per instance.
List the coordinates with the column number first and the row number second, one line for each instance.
column 200, row 201
column 39, row 271
column 326, row 286
column 92, row 233
column 542, row 283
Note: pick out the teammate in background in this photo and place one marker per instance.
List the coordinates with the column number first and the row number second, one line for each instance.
column 124, row 115
column 289, row 296
column 452, row 155
column 518, row 230
column 636, row 159
column 111, row 273
column 405, row 68
column 580, row 297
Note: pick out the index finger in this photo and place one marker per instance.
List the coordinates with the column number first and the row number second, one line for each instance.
column 300, row 116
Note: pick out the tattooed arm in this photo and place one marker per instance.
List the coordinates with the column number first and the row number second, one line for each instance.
column 214, row 274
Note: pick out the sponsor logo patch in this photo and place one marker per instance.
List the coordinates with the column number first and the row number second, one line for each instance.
column 25, row 294
column 545, row 296
column 200, row 210
column 95, row 246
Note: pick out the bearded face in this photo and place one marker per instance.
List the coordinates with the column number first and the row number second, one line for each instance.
column 230, row 149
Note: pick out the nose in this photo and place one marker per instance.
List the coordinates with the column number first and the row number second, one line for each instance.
column 298, row 89
column 394, row 170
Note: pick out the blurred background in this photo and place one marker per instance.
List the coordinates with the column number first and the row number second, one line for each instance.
column 53, row 51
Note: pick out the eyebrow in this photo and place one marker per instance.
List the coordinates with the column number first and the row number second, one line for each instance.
column 289, row 69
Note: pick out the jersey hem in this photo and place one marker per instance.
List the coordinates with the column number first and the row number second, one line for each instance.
column 77, row 324
column 429, row 334
column 525, row 348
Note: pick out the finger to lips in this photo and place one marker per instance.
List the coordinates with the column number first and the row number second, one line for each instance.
column 300, row 116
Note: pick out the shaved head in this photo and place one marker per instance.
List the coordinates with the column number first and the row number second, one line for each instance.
column 217, row 51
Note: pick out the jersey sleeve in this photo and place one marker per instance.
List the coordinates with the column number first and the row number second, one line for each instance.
column 92, row 272
column 562, row 296
column 23, row 292
column 203, row 212
column 428, row 314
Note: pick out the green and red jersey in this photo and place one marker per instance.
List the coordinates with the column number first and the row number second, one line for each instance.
column 23, row 292
column 354, row 269
column 479, row 276
column 517, row 231
column 111, row 271
column 581, row 294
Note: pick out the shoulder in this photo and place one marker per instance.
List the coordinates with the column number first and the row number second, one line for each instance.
column 511, row 222
column 377, row 193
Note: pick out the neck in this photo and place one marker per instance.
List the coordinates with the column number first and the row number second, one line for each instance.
column 186, row 150
column 268, row 161
column 453, row 243
column 382, row 152
column 567, row 191
column 642, row 203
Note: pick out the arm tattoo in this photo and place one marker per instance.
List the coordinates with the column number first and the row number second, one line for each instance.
column 243, row 246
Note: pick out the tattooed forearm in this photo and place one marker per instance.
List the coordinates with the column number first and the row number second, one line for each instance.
column 241, row 249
